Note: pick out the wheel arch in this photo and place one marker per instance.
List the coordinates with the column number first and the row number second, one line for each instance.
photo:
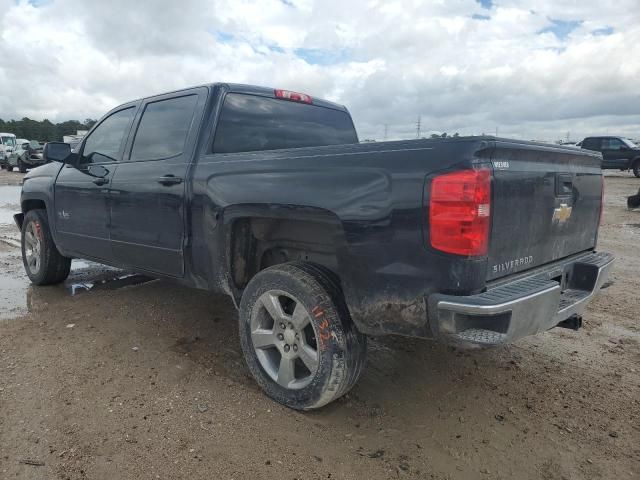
column 32, row 200
column 32, row 204
column 260, row 236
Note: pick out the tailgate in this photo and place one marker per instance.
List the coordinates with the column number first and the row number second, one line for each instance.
column 545, row 205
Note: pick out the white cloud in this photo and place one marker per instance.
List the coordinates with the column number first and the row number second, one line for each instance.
column 389, row 62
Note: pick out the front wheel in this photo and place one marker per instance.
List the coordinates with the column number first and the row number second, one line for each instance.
column 298, row 339
column 636, row 168
column 42, row 261
column 22, row 167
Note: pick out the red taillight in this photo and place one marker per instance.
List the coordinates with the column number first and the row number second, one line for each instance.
column 294, row 96
column 460, row 212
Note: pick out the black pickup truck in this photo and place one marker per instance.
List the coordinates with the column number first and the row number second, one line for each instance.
column 617, row 152
column 266, row 195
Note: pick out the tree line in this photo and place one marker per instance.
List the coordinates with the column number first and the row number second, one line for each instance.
column 44, row 130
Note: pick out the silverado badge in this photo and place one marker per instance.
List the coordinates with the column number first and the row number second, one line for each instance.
column 562, row 213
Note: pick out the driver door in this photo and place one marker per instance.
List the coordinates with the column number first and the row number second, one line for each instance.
column 81, row 194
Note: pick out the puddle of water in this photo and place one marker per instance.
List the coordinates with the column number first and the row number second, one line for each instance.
column 86, row 275
column 9, row 203
column 18, row 296
column 13, row 297
column 126, row 280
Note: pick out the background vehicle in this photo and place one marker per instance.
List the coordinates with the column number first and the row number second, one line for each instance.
column 617, row 152
column 7, row 144
column 266, row 195
column 26, row 154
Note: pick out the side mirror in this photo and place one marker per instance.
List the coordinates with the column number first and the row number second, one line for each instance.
column 56, row 152
column 624, row 148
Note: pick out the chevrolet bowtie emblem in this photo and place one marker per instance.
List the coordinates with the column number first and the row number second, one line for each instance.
column 562, row 213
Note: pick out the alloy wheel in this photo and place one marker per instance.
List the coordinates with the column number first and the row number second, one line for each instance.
column 284, row 339
column 33, row 245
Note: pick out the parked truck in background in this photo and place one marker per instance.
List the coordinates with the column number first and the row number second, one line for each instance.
column 26, row 154
column 618, row 153
column 266, row 195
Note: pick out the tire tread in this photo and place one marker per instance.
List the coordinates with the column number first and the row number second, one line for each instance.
column 323, row 285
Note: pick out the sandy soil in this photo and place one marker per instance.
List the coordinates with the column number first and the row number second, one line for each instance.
column 115, row 378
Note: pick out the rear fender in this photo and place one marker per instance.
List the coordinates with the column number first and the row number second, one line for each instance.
column 258, row 236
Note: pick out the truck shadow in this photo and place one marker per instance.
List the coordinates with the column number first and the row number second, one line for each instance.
column 198, row 330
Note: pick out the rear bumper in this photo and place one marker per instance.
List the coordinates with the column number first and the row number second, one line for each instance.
column 524, row 306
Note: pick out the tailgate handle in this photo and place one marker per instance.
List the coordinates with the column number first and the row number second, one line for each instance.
column 564, row 185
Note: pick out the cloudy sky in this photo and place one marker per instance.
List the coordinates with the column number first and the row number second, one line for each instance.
column 529, row 68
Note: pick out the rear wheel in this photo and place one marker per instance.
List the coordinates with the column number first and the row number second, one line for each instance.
column 298, row 339
column 9, row 167
column 42, row 261
column 636, row 168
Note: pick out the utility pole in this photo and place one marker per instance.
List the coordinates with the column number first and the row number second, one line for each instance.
column 496, row 130
column 386, row 131
column 418, row 126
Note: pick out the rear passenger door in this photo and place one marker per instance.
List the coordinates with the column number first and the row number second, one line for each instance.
column 148, row 190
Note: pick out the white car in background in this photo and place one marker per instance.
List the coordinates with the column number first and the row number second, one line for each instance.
column 7, row 144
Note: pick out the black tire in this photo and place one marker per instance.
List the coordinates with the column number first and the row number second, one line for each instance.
column 340, row 349
column 22, row 167
column 9, row 168
column 636, row 168
column 51, row 266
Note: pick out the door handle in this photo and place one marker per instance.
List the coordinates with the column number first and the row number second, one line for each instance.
column 101, row 181
column 168, row 180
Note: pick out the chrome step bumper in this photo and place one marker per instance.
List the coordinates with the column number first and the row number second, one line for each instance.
column 525, row 306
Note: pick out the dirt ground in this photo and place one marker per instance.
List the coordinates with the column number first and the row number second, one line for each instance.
column 111, row 376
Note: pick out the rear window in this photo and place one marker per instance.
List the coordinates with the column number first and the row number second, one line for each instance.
column 249, row 123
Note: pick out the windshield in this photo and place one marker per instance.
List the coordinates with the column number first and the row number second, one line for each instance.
column 35, row 144
column 629, row 143
column 9, row 141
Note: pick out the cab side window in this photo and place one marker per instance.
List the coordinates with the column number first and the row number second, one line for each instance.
column 611, row 144
column 105, row 142
column 164, row 128
column 591, row 144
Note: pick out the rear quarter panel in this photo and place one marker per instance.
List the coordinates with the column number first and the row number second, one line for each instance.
column 373, row 191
